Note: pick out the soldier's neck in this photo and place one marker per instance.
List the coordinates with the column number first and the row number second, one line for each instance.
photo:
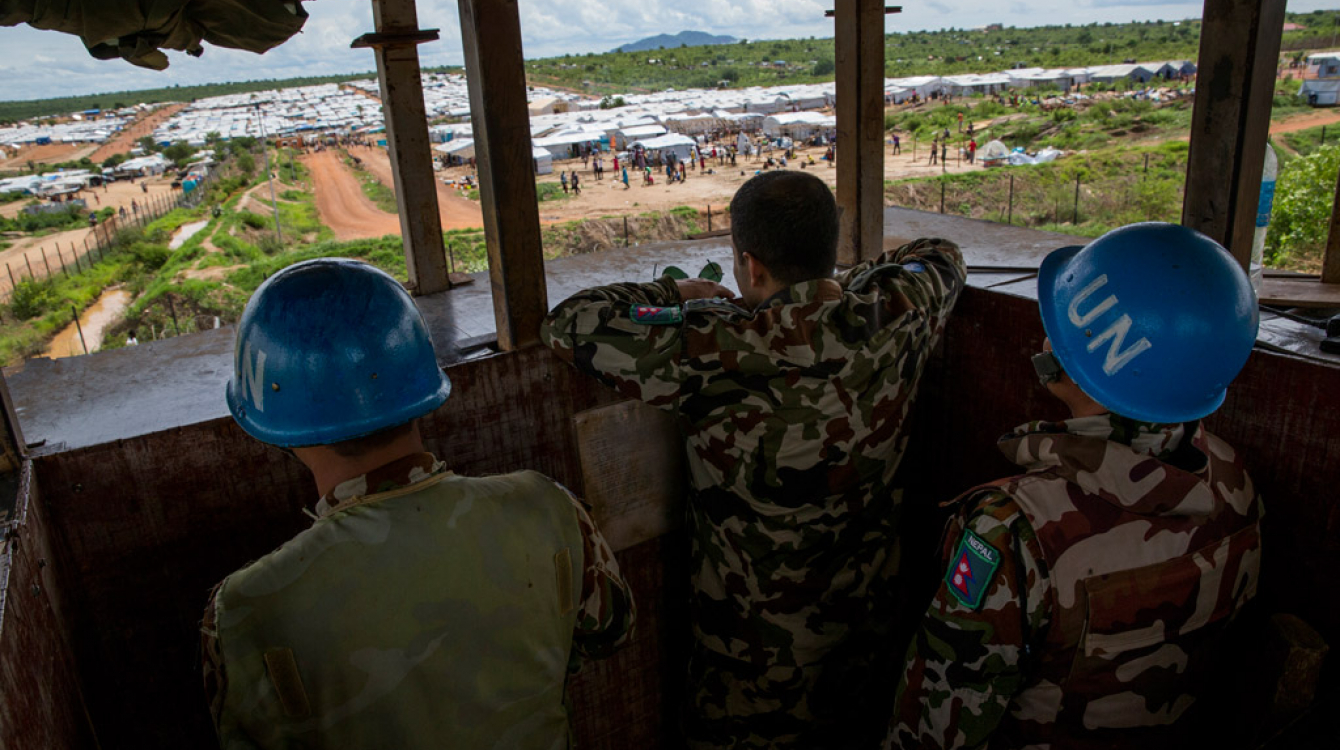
column 329, row 468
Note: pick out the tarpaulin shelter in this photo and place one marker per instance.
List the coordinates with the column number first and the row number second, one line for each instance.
column 139, row 31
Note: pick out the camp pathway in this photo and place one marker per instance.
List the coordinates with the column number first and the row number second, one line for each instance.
column 1303, row 122
column 341, row 202
column 457, row 212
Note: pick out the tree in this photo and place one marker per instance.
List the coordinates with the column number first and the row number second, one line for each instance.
column 179, row 153
column 823, row 68
column 147, row 144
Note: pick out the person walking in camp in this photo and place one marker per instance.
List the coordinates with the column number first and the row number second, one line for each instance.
column 935, row 150
column 960, row 122
column 1084, row 601
column 625, row 177
column 576, row 183
column 793, row 399
column 563, row 178
column 421, row 608
column 897, row 144
column 972, row 151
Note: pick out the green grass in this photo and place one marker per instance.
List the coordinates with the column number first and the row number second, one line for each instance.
column 1309, row 141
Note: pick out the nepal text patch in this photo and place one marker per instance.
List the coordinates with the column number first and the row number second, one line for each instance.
column 652, row 315
column 971, row 570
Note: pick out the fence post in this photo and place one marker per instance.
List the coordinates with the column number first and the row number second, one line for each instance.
column 709, row 217
column 942, row 196
column 1076, row 219
column 46, row 262
column 625, row 231
column 12, row 283
column 30, row 264
column 79, row 328
column 63, row 268
column 173, row 309
column 1146, row 165
column 1009, row 216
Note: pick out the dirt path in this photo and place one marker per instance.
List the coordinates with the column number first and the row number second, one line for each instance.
column 52, row 153
column 1303, row 122
column 126, row 139
column 457, row 212
column 341, row 202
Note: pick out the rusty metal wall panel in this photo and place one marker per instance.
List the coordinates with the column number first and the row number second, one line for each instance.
column 41, row 705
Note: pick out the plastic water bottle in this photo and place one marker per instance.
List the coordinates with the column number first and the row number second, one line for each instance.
column 1263, row 206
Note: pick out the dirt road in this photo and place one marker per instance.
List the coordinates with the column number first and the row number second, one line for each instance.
column 457, row 212
column 1303, row 122
column 124, row 140
column 52, row 153
column 341, row 202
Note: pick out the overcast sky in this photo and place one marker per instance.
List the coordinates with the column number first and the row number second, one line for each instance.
column 38, row 64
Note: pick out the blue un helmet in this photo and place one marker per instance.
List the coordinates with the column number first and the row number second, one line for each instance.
column 330, row 350
column 1152, row 320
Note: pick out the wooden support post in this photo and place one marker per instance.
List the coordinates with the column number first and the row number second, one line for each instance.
column 46, row 262
column 1330, row 264
column 496, row 73
column 1239, row 49
column 1009, row 215
column 30, row 264
column 415, row 187
column 859, row 41
column 12, row 283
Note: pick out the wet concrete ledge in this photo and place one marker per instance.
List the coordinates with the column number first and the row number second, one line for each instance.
column 77, row 402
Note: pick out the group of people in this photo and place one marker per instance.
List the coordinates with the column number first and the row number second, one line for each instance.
column 1078, row 603
column 571, row 182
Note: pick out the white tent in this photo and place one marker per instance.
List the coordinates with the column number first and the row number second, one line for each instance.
column 680, row 145
column 626, row 136
column 461, row 148
column 993, row 152
column 798, row 125
column 544, row 161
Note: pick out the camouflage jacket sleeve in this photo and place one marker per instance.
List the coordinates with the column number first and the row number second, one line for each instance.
column 936, row 279
column 594, row 331
column 967, row 662
column 606, row 615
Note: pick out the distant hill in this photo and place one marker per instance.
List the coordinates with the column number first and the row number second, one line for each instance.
column 685, row 38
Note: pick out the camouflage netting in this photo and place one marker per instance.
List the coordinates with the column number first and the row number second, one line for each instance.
column 139, row 31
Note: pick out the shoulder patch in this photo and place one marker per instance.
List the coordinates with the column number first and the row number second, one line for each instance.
column 652, row 315
column 914, row 266
column 971, row 570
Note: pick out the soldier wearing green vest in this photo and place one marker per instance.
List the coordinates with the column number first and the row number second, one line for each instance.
column 1084, row 603
column 421, row 609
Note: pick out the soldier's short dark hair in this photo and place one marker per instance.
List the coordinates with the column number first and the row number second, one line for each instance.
column 788, row 221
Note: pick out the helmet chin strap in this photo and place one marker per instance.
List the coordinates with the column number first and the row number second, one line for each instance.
column 1048, row 367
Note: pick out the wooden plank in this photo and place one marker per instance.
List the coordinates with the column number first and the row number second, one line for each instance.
column 632, row 459
column 1301, row 293
column 496, row 74
column 407, row 138
column 1330, row 265
column 1239, row 51
column 859, row 41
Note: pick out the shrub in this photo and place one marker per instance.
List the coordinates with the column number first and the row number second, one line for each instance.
column 31, row 298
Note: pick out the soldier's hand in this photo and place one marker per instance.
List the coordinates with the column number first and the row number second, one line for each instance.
column 702, row 289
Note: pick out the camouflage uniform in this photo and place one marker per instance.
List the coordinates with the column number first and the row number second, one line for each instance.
column 1084, row 599
column 795, row 421
column 421, row 608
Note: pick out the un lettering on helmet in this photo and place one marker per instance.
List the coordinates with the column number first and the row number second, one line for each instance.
column 1116, row 358
column 252, row 375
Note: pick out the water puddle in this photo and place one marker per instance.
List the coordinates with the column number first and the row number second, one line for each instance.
column 186, row 232
column 95, row 321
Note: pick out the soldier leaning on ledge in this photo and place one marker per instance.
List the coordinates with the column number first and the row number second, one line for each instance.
column 421, row 609
column 794, row 402
column 1084, row 600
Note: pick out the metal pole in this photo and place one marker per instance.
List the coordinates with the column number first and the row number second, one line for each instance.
column 625, row 231
column 1146, row 163
column 173, row 309
column 273, row 201
column 709, row 217
column 942, row 196
column 12, row 283
column 79, row 328
column 1009, row 216
column 1076, row 219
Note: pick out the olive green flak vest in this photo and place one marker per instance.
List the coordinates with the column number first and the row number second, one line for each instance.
column 438, row 615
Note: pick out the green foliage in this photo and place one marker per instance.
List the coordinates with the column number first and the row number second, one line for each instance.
column 550, row 191
column 612, row 102
column 822, row 68
column 31, row 298
column 179, row 153
column 252, row 220
column 1301, row 215
column 26, row 222
column 1309, row 141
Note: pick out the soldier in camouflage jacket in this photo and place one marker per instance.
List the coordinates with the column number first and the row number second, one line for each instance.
column 1084, row 600
column 794, row 402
